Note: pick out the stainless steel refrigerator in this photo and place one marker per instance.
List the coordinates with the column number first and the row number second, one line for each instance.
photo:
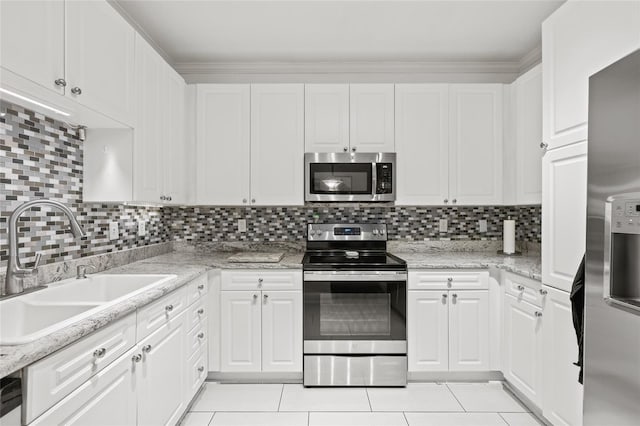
column 612, row 292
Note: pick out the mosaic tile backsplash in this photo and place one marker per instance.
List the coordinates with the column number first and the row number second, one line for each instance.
column 41, row 157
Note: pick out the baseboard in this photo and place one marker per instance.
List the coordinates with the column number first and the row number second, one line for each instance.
column 454, row 376
column 256, row 377
column 535, row 410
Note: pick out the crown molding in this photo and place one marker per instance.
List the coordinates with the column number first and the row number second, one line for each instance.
column 531, row 59
column 349, row 67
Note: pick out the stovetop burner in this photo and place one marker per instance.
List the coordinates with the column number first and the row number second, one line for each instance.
column 323, row 260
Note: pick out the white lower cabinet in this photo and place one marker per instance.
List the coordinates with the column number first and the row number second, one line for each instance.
column 108, row 398
column 562, row 394
column 522, row 361
column 448, row 330
column 151, row 382
column 261, row 330
column 160, row 380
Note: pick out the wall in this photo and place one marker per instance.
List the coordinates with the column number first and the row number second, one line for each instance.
column 42, row 158
column 202, row 224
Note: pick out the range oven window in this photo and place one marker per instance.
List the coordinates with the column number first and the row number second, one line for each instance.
column 341, row 178
column 335, row 310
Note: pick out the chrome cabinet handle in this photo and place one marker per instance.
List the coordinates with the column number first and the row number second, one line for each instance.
column 200, row 311
column 200, row 335
column 61, row 82
column 520, row 288
column 446, row 200
column 253, row 200
column 265, row 297
column 454, row 295
column 345, row 149
column 99, row 353
column 168, row 308
column 449, row 282
column 444, row 296
column 162, row 197
column 538, row 314
column 353, row 149
column 136, row 358
column 244, row 200
column 260, row 281
column 201, row 287
column 544, row 145
column 201, row 369
column 255, row 297
column 454, row 201
column 146, row 349
column 543, row 292
column 76, row 90
column 169, row 198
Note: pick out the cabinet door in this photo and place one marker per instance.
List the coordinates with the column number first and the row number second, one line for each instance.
column 148, row 133
column 100, row 59
column 326, row 118
column 161, row 374
column 240, row 334
column 522, row 357
column 564, row 211
column 428, row 330
column 277, row 144
column 175, row 152
column 562, row 394
column 422, row 143
column 578, row 40
column 108, row 398
column 32, row 40
column 475, row 143
column 222, row 144
column 469, row 330
column 282, row 331
column 528, row 137
column 371, row 117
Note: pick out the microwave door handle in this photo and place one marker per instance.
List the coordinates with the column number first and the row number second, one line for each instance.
column 374, row 179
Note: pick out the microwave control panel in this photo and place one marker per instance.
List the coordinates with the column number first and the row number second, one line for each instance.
column 384, row 178
column 625, row 216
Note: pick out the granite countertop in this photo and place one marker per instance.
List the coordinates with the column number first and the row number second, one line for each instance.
column 529, row 266
column 13, row 358
column 220, row 260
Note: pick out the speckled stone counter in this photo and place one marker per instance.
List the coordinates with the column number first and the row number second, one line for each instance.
column 529, row 266
column 13, row 358
column 220, row 260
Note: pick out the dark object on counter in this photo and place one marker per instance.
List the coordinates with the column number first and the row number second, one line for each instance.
column 577, row 310
column 10, row 394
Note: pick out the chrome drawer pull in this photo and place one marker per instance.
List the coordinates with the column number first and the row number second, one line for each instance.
column 200, row 335
column 201, row 369
column 543, row 292
column 168, row 308
column 520, row 287
column 136, row 358
column 99, row 353
column 538, row 314
column 200, row 311
column 201, row 287
column 146, row 348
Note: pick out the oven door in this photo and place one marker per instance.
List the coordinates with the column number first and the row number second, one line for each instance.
column 355, row 313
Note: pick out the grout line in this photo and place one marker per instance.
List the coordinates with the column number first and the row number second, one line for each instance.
column 503, row 419
column 308, row 418
column 280, row 401
column 211, row 420
column 366, row 391
column 404, row 414
column 456, row 398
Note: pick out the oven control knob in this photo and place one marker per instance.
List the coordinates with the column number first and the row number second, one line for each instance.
column 382, row 232
column 375, row 232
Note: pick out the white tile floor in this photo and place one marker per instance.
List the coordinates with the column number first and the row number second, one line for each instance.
column 428, row 404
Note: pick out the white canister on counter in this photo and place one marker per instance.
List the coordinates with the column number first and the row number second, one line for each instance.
column 509, row 236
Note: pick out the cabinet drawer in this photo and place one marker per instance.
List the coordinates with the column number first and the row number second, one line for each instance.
column 160, row 312
column 197, row 340
column 448, row 280
column 197, row 373
column 262, row 280
column 196, row 314
column 524, row 289
column 197, row 288
column 54, row 377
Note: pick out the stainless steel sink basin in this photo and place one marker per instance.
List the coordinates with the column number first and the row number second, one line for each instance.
column 26, row 318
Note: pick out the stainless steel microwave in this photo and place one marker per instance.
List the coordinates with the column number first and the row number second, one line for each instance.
column 336, row 177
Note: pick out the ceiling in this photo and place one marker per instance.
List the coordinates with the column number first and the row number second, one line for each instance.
column 192, row 32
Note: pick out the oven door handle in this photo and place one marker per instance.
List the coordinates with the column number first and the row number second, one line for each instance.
column 355, row 276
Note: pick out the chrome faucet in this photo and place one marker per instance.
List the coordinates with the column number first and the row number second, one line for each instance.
column 16, row 274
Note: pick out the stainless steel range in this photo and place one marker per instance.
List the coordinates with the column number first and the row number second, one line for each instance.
column 355, row 308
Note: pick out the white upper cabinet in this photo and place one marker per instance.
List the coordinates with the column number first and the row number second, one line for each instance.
column 564, row 214
column 100, row 59
column 475, row 144
column 222, row 147
column 528, row 134
column 39, row 54
column 326, row 118
column 579, row 39
column 277, row 144
column 176, row 158
column 371, row 117
column 422, row 143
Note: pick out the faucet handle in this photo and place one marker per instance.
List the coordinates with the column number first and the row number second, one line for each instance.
column 36, row 263
column 81, row 271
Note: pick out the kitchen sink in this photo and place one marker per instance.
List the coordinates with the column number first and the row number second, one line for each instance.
column 24, row 319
